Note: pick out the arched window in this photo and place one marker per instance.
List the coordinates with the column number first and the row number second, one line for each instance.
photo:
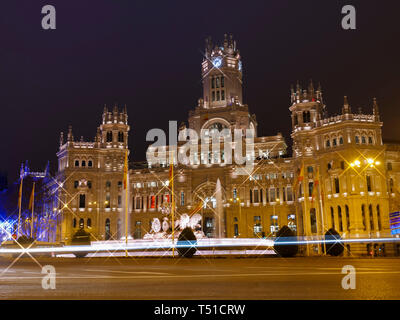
column 328, row 143
column 83, row 163
column 76, row 163
column 363, row 140
column 339, row 208
column 371, row 218
column 81, row 223
column 120, row 136
column 357, row 139
column 347, row 217
column 109, row 136
column 90, row 163
column 334, row 142
column 363, row 217
column 108, row 229
column 341, row 140
column 337, row 186
column 306, row 117
column 378, row 214
column 370, row 140
column 332, row 218
column 89, row 223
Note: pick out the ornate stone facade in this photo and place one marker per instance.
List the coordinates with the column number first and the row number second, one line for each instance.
column 350, row 177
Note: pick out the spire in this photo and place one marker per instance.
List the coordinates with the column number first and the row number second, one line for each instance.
column 375, row 110
column 70, row 135
column 311, row 91
column 346, row 107
column 225, row 41
column 47, row 169
column 61, row 139
column 21, row 171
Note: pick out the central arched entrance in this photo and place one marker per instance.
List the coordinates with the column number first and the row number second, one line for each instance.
column 208, row 195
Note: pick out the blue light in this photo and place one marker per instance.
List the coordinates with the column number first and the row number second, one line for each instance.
column 217, row 62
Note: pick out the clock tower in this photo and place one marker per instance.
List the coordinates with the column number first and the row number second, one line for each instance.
column 222, row 74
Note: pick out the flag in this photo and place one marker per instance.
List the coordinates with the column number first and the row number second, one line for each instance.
column 20, row 192
column 197, row 208
column 32, row 198
column 315, row 186
column 300, row 178
column 126, row 171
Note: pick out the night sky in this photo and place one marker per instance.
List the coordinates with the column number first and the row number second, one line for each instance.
column 147, row 54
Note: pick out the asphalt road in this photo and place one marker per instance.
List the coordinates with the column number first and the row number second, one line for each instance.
column 200, row 278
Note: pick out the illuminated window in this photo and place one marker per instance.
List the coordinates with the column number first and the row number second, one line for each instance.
column 257, row 228
column 256, row 199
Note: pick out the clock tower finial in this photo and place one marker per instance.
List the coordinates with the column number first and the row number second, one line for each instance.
column 222, row 74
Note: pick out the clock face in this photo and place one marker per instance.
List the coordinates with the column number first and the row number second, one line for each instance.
column 217, row 62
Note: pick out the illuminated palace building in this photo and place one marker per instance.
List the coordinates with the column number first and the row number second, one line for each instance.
column 348, row 181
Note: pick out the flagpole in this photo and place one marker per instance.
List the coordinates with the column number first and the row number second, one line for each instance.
column 321, row 209
column 172, row 205
column 126, row 202
column 305, row 197
column 20, row 201
column 33, row 208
